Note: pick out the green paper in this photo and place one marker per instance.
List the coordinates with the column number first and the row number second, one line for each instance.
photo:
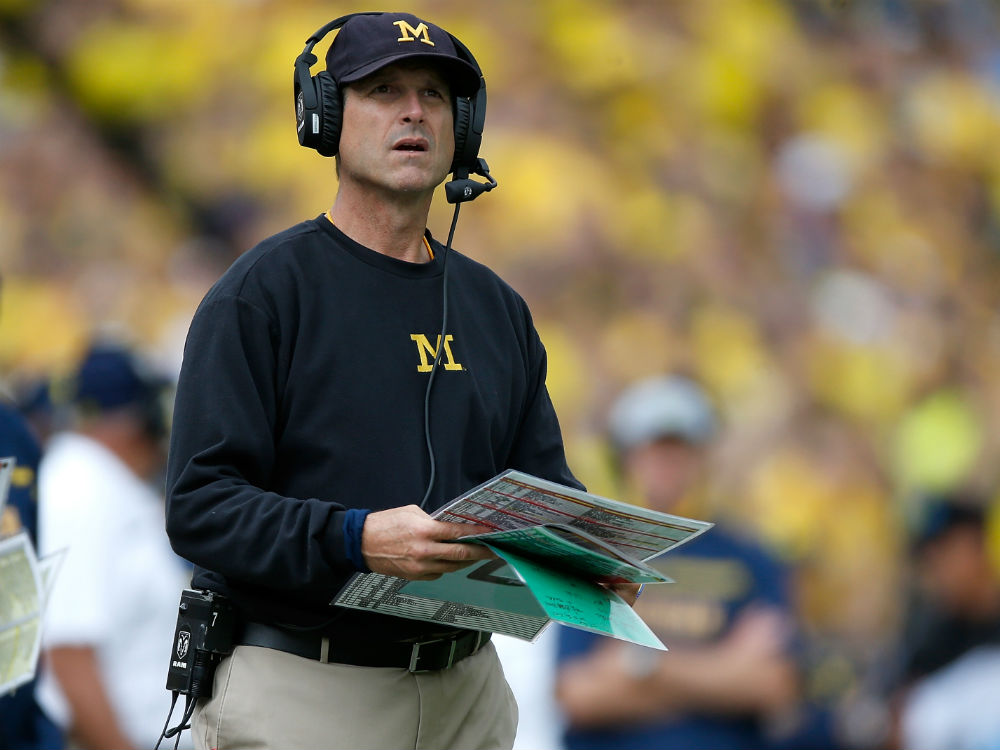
column 487, row 585
column 564, row 548
column 576, row 602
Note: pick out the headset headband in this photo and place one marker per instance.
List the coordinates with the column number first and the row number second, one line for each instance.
column 318, row 100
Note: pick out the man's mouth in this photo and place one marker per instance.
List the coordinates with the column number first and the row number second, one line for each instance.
column 410, row 144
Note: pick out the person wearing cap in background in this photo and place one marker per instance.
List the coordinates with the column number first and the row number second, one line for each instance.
column 299, row 455
column 944, row 673
column 114, row 601
column 727, row 620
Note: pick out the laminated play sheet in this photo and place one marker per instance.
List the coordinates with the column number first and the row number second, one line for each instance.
column 556, row 546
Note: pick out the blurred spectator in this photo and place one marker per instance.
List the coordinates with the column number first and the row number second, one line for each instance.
column 948, row 667
column 956, row 707
column 34, row 402
column 730, row 673
column 23, row 725
column 110, row 619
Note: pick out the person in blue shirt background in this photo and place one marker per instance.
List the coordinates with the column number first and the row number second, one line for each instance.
column 23, row 725
column 731, row 673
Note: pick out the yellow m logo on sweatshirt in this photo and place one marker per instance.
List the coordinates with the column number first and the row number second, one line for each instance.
column 427, row 353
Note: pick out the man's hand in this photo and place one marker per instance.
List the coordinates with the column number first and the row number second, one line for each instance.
column 627, row 591
column 408, row 543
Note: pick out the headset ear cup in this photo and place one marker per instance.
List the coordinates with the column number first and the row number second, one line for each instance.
column 466, row 142
column 328, row 96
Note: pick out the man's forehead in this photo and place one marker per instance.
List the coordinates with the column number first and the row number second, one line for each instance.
column 407, row 69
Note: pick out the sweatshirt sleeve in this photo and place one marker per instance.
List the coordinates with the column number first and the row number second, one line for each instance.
column 538, row 446
column 222, row 453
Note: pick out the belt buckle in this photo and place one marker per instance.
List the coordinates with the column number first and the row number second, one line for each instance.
column 415, row 654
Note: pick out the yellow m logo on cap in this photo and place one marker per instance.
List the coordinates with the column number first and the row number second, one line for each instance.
column 411, row 34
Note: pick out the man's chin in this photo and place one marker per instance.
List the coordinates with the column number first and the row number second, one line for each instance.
column 408, row 182
column 416, row 179
column 415, row 187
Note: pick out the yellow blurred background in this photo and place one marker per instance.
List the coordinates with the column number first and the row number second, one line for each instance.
column 797, row 202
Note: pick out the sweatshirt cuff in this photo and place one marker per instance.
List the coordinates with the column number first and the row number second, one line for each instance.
column 354, row 521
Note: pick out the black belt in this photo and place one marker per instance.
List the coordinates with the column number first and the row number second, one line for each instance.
column 419, row 656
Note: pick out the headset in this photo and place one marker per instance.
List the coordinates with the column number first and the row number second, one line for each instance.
column 319, row 106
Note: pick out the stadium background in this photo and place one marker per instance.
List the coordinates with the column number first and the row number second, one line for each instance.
column 797, row 202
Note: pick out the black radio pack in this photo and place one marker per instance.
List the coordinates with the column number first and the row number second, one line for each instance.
column 206, row 622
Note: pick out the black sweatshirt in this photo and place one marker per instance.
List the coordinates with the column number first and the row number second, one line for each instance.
column 301, row 403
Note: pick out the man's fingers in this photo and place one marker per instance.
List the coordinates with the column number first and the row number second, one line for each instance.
column 458, row 552
column 408, row 543
column 431, row 570
column 449, row 530
column 627, row 591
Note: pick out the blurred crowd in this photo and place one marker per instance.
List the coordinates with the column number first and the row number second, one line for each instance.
column 794, row 203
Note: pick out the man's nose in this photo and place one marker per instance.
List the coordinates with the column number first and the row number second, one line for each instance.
column 413, row 107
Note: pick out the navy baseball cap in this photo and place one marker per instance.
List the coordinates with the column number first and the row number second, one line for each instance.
column 108, row 378
column 943, row 512
column 368, row 42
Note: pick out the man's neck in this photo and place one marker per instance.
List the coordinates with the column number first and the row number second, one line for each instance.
column 391, row 227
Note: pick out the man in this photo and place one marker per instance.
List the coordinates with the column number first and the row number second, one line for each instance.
column 298, row 453
column 726, row 620
column 114, row 600
column 946, row 669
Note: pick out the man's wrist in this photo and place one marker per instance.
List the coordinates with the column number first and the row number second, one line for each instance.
column 354, row 523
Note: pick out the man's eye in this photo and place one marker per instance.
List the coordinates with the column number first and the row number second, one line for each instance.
column 434, row 93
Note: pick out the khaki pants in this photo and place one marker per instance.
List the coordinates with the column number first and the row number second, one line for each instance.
column 264, row 698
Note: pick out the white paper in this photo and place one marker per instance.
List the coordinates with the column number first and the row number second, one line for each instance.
column 21, row 602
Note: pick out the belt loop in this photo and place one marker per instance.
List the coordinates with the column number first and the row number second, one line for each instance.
column 324, row 650
column 479, row 641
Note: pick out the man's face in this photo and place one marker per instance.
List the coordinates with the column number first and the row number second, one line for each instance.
column 953, row 566
column 397, row 133
column 664, row 471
